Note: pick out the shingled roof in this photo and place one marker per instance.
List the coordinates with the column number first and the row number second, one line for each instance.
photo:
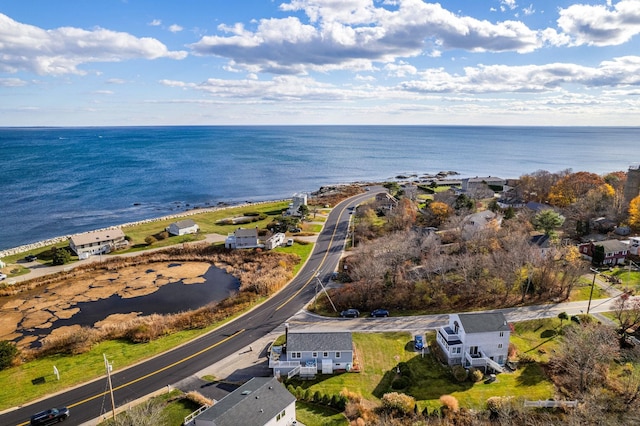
column 318, row 341
column 484, row 322
column 253, row 404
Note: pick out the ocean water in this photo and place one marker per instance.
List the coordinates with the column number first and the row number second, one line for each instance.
column 60, row 181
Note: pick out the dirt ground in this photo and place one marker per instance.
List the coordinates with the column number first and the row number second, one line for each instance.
column 41, row 308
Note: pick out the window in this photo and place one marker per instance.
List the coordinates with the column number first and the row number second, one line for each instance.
column 295, row 355
column 337, row 354
column 314, row 354
column 500, row 346
column 502, row 334
column 325, row 354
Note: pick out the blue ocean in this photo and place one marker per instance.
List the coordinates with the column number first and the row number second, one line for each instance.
column 60, row 181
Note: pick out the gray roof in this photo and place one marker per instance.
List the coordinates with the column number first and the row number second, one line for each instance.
column 484, row 322
column 612, row 246
column 100, row 236
column 319, row 341
column 186, row 223
column 253, row 404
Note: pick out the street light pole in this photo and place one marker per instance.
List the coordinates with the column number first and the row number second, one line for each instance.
column 593, row 283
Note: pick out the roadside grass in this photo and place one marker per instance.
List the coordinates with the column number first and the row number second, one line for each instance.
column 629, row 279
column 43, row 254
column 16, row 387
column 583, row 290
column 379, row 355
column 319, row 415
column 301, row 248
column 312, row 227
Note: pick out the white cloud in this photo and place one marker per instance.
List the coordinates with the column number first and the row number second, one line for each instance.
column 528, row 10
column 62, row 50
column 600, row 25
column 103, row 92
column 511, row 4
column 155, row 23
column 12, row 82
column 175, row 28
column 353, row 34
column 115, row 81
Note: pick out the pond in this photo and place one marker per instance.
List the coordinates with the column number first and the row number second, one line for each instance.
column 173, row 297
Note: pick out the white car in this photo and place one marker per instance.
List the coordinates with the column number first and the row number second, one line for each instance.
column 2, row 277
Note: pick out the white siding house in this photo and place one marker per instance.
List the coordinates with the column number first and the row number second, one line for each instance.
column 296, row 201
column 475, row 340
column 97, row 242
column 308, row 353
column 262, row 401
column 243, row 238
column 183, row 227
column 274, row 241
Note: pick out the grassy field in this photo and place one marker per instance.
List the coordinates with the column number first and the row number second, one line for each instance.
column 583, row 290
column 380, row 354
column 629, row 279
column 318, row 415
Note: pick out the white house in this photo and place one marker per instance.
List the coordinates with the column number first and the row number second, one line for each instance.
column 262, row 401
column 634, row 246
column 243, row 238
column 310, row 352
column 97, row 242
column 274, row 241
column 296, row 201
column 183, row 227
column 475, row 340
column 478, row 222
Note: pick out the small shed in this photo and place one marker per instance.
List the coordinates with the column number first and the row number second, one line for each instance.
column 183, row 227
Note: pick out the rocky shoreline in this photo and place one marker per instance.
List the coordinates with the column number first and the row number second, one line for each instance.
column 39, row 244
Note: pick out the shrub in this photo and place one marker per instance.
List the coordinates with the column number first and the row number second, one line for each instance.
column 475, row 375
column 450, row 402
column 60, row 256
column 459, row 373
column 8, row 352
column 317, row 396
column 398, row 402
column 497, row 404
column 150, row 240
column 198, row 398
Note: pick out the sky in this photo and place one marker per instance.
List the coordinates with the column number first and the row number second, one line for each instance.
column 299, row 62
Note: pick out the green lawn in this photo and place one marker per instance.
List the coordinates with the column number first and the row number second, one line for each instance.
column 319, row 415
column 380, row 353
column 583, row 289
column 629, row 279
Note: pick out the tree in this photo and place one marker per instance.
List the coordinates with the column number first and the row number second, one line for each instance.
column 563, row 316
column 60, row 256
column 303, row 210
column 8, row 352
column 441, row 211
column 598, row 255
column 634, row 213
column 572, row 187
column 548, row 220
column 627, row 311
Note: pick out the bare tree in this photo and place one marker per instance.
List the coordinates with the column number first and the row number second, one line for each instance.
column 627, row 311
column 149, row 413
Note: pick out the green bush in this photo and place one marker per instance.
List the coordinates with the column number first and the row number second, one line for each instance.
column 150, row 240
column 459, row 373
column 8, row 352
column 60, row 256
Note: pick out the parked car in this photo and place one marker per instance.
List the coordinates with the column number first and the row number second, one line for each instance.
column 50, row 416
column 31, row 258
column 3, row 276
column 350, row 313
column 418, row 343
column 296, row 230
column 380, row 313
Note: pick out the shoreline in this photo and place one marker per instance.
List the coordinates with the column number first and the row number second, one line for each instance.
column 43, row 243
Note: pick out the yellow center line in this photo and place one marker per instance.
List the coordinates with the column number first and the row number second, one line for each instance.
column 160, row 370
column 333, row 235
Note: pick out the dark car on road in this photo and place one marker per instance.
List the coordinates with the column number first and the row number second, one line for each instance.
column 350, row 313
column 50, row 416
column 380, row 313
column 31, row 258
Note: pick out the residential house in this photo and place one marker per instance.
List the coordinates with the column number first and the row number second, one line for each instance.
column 296, row 201
column 183, row 227
column 274, row 241
column 243, row 238
column 514, row 202
column 262, row 401
column 542, row 242
column 476, row 184
column 634, row 246
column 386, row 201
column 97, row 242
column 615, row 252
column 478, row 340
column 307, row 353
column 480, row 221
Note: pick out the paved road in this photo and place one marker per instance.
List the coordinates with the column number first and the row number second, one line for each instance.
column 90, row 400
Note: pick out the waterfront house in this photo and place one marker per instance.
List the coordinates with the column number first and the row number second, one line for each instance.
column 97, row 242
column 294, row 207
column 183, row 227
column 386, row 201
column 480, row 221
column 259, row 402
column 615, row 252
column 307, row 353
column 243, row 238
column 478, row 340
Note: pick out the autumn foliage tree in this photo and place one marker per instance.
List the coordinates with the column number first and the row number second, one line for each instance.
column 574, row 186
column 634, row 213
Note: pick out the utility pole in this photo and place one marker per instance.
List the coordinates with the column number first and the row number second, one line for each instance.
column 593, row 283
column 113, row 403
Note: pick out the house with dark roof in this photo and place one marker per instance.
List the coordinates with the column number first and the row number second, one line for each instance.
column 259, row 402
column 183, row 227
column 307, row 353
column 243, row 238
column 615, row 252
column 479, row 340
